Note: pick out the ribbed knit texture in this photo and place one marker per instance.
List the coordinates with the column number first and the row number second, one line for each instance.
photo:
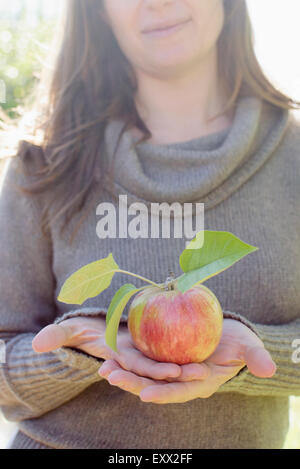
column 22, row 441
column 248, row 178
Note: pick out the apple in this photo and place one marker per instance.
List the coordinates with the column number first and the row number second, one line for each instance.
column 170, row 326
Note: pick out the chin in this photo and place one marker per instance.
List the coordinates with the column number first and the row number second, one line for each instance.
column 169, row 64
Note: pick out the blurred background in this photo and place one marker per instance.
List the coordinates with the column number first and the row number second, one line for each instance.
column 26, row 33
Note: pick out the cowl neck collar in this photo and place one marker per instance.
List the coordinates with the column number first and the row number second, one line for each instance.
column 206, row 169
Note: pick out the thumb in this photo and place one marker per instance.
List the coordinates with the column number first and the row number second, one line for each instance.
column 52, row 337
column 259, row 362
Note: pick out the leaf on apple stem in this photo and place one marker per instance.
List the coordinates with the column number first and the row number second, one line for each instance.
column 114, row 312
column 89, row 281
column 200, row 261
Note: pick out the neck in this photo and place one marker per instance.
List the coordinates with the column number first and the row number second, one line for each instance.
column 167, row 105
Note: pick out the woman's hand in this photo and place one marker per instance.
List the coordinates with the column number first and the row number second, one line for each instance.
column 239, row 347
column 88, row 335
column 166, row 392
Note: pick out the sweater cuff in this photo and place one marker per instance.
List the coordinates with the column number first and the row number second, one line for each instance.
column 88, row 312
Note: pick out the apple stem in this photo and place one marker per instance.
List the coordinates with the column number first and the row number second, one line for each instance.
column 170, row 281
column 138, row 276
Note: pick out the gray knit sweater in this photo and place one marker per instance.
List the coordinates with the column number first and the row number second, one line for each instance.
column 248, row 178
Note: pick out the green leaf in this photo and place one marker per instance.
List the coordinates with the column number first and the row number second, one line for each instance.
column 201, row 261
column 114, row 313
column 89, row 281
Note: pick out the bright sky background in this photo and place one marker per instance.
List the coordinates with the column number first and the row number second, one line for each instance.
column 277, row 39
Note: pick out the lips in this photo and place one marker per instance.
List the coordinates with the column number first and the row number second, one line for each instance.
column 163, row 27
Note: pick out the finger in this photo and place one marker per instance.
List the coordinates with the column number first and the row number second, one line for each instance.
column 135, row 361
column 259, row 362
column 189, row 371
column 192, row 371
column 171, row 393
column 129, row 381
column 51, row 337
column 177, row 392
column 107, row 367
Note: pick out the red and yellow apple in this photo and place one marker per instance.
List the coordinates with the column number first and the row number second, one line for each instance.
column 171, row 326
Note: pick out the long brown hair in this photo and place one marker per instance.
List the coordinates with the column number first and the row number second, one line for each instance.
column 93, row 82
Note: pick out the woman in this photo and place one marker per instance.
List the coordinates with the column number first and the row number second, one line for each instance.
column 183, row 115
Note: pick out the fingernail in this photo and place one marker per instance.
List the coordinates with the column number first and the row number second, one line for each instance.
column 118, row 383
column 102, row 373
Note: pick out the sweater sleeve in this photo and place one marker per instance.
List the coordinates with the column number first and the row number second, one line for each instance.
column 280, row 341
column 31, row 383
